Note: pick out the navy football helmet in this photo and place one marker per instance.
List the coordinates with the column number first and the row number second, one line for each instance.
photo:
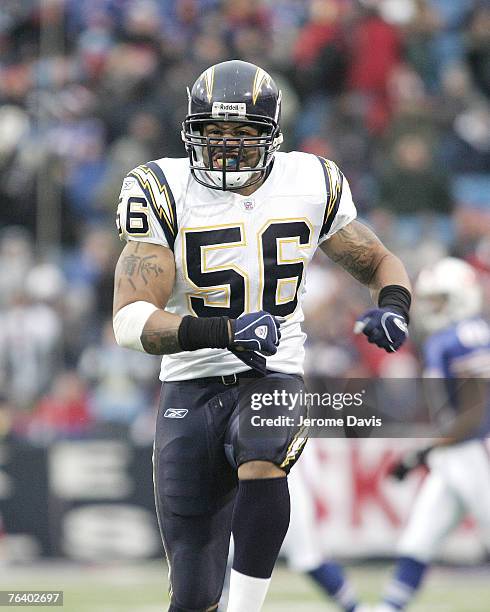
column 230, row 93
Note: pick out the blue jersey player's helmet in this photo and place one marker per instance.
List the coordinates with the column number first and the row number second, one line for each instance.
column 232, row 92
column 446, row 293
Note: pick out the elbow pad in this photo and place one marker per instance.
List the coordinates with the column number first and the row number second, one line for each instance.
column 128, row 324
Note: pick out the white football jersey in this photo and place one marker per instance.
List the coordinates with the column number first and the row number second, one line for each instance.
column 237, row 254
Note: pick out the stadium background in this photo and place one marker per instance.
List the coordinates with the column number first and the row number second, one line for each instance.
column 397, row 92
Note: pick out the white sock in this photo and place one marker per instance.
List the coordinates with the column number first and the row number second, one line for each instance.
column 384, row 607
column 247, row 594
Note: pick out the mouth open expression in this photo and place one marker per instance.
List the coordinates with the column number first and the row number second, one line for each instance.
column 230, row 161
column 226, row 147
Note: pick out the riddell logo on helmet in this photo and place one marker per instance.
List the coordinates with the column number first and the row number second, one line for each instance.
column 229, row 108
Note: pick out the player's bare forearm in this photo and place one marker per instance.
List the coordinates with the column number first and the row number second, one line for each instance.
column 146, row 272
column 360, row 252
column 160, row 334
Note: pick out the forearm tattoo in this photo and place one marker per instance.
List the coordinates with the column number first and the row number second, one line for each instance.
column 161, row 342
column 360, row 255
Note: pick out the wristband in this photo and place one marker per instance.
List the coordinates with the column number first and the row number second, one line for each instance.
column 203, row 332
column 397, row 298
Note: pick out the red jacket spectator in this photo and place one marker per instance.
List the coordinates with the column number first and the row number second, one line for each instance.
column 64, row 412
column 375, row 53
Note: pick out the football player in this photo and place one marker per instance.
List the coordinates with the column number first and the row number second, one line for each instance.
column 212, row 278
column 457, row 358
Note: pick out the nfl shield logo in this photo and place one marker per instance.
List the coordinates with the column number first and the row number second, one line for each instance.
column 248, row 204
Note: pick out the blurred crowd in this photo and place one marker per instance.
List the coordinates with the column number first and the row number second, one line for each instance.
column 397, row 92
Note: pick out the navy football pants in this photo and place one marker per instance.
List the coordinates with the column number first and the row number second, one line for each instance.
column 203, row 434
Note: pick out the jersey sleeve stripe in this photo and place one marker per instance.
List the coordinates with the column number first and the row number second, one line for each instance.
column 334, row 180
column 164, row 187
column 150, row 176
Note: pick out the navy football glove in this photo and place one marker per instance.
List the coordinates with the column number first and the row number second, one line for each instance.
column 383, row 327
column 253, row 360
column 258, row 331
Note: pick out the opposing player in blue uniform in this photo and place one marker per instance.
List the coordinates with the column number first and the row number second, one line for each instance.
column 457, row 360
column 212, row 278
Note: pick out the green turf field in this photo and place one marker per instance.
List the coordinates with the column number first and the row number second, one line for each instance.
column 142, row 588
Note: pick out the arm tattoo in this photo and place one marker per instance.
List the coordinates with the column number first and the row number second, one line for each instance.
column 360, row 255
column 142, row 267
column 162, row 342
